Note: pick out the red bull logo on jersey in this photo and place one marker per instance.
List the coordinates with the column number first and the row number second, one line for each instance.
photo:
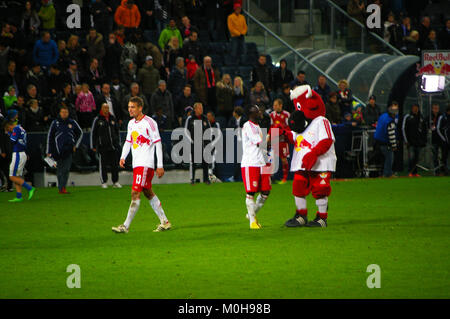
column 301, row 143
column 139, row 140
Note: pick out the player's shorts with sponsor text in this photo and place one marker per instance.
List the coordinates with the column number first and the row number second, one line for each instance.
column 17, row 165
column 142, row 178
column 317, row 183
column 255, row 179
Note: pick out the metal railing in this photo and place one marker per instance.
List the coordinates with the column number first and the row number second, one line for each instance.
column 294, row 51
column 334, row 6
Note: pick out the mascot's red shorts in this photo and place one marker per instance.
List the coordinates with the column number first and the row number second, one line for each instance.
column 317, row 183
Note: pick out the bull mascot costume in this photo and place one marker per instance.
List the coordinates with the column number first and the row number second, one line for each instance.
column 314, row 157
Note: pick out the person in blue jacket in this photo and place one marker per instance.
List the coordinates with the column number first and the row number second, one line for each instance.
column 64, row 137
column 385, row 136
column 18, row 138
column 45, row 51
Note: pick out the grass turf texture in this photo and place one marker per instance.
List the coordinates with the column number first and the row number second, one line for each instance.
column 400, row 224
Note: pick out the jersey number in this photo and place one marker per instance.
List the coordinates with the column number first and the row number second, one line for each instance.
column 138, row 179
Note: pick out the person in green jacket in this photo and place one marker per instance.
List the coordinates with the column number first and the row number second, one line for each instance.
column 170, row 31
column 47, row 14
column 10, row 98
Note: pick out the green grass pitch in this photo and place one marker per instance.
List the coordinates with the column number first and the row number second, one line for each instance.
column 402, row 225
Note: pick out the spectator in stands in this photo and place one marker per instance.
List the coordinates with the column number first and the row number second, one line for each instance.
column 148, row 77
column 345, row 97
column 192, row 47
column 105, row 141
column 191, row 68
column 129, row 72
column 64, row 137
column 171, row 53
column 371, row 112
column 299, row 80
column 205, row 83
column 100, row 15
column 63, row 55
column 184, row 101
column 238, row 29
column 187, row 29
column 281, row 76
column 161, row 14
column 35, row 120
column 113, row 104
column 393, row 32
column 95, row 46
column 163, row 98
column 356, row 9
column 215, row 14
column 95, row 76
column 160, row 119
column 36, row 77
column 76, row 52
column 262, row 73
column 285, row 96
column 333, row 111
column 66, row 98
column 134, row 91
column 85, row 106
column 9, row 98
column 431, row 42
column 47, row 14
column 45, row 52
column 30, row 21
column 444, row 36
column 240, row 93
column 168, row 33
column 415, row 136
column 411, row 44
column 177, row 78
column 357, row 113
column 436, row 141
column 322, row 88
column 423, row 29
column 224, row 95
column 118, row 90
column 128, row 16
column 388, row 25
column 73, row 74
column 56, row 80
column 147, row 48
column 11, row 77
column 32, row 93
column 385, row 137
column 120, row 35
column 113, row 52
column 258, row 95
column 19, row 106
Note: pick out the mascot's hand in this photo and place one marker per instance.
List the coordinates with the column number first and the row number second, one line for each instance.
column 309, row 160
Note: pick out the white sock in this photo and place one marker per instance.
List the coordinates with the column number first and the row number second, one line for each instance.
column 322, row 204
column 134, row 206
column 156, row 205
column 260, row 200
column 251, row 206
column 300, row 203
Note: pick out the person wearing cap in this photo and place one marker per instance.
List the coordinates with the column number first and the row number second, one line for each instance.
column 148, row 76
column 238, row 29
column 163, row 98
column 168, row 33
column 371, row 112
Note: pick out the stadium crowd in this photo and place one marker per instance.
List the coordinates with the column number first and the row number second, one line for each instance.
column 158, row 50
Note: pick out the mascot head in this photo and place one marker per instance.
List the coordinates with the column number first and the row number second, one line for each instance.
column 308, row 101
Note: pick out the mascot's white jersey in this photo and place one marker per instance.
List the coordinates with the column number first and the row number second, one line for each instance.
column 319, row 129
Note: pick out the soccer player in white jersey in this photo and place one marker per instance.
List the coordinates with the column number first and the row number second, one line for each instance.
column 143, row 140
column 255, row 173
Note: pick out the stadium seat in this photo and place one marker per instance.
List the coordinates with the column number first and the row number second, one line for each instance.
column 216, row 59
column 203, row 36
column 248, row 60
column 229, row 70
column 244, row 72
column 251, row 48
column 230, row 61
